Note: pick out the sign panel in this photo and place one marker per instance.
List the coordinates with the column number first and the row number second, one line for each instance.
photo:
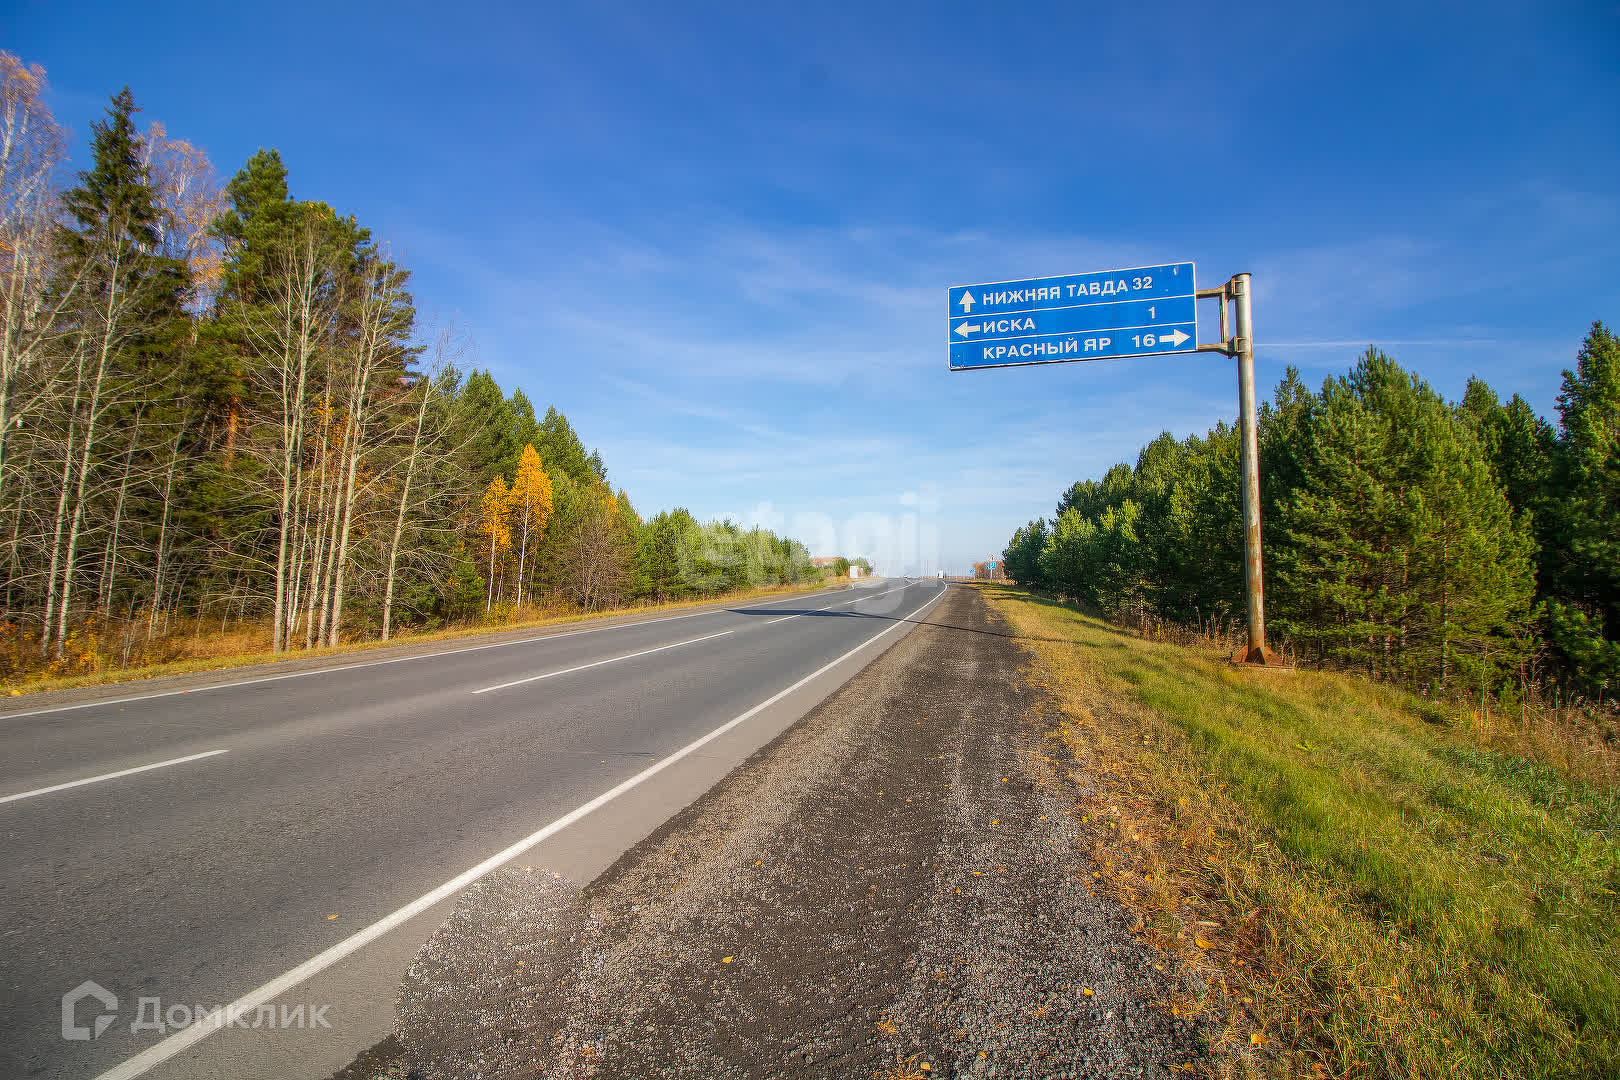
column 1136, row 312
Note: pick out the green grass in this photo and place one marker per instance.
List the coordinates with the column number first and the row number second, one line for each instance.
column 1409, row 902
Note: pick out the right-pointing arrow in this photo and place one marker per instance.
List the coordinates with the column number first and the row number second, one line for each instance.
column 1174, row 337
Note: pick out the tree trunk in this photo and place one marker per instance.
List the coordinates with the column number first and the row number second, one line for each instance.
column 92, row 414
column 404, row 501
column 296, row 344
column 61, row 511
column 161, row 553
column 523, row 549
column 489, row 602
column 338, row 580
column 320, row 551
column 109, row 559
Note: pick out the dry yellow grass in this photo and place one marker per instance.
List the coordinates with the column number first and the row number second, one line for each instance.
column 185, row 653
column 1366, row 889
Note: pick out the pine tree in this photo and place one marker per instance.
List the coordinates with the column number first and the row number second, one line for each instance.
column 1208, row 506
column 261, row 212
column 1120, row 562
column 484, row 428
column 1067, row 559
column 1397, row 551
column 559, row 444
column 1583, row 612
column 1023, row 555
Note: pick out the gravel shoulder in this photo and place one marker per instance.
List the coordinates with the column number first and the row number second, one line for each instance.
column 892, row 888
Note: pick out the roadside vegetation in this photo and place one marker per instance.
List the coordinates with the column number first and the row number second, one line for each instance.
column 1453, row 548
column 251, row 645
column 1370, row 882
column 224, row 429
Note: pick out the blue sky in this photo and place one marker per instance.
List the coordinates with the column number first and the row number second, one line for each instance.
column 719, row 237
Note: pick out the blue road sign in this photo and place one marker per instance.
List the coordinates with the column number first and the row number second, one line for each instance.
column 1137, row 312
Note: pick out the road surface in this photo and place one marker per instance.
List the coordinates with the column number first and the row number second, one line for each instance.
column 285, row 843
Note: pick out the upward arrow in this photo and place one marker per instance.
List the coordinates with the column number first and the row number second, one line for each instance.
column 967, row 303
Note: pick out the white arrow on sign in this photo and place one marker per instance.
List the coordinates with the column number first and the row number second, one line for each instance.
column 966, row 329
column 967, row 303
column 1174, row 337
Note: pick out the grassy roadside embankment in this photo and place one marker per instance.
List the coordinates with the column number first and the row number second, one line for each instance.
column 245, row 647
column 1370, row 887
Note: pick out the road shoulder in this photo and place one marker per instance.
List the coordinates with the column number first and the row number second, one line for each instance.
column 892, row 882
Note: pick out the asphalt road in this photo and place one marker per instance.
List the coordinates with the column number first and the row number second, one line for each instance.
column 313, row 829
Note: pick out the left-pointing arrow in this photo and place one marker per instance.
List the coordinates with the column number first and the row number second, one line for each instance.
column 966, row 329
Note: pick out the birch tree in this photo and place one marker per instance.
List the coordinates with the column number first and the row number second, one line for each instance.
column 190, row 201
column 31, row 149
column 375, row 371
column 530, row 500
column 284, row 332
column 429, row 394
column 494, row 525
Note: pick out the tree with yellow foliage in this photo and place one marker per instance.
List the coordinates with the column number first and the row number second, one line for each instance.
column 494, row 513
column 531, row 505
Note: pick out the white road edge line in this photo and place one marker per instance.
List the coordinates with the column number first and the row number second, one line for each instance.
column 110, row 776
column 599, row 663
column 380, row 663
column 153, row 1056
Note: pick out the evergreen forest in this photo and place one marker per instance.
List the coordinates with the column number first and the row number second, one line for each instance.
column 220, row 413
column 1452, row 547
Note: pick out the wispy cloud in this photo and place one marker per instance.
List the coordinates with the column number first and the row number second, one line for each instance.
column 1374, row 339
column 729, row 366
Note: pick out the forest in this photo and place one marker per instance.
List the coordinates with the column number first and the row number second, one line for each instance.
column 220, row 413
column 1453, row 548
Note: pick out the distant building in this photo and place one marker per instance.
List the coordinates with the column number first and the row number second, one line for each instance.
column 838, row 564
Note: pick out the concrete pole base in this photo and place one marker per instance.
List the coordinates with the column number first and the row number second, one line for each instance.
column 1258, row 657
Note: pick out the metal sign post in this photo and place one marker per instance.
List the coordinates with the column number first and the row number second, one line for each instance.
column 1142, row 311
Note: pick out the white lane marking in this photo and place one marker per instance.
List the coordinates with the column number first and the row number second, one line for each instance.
column 379, row 663
column 599, row 663
column 845, row 603
column 109, row 776
column 153, row 1056
column 874, row 596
